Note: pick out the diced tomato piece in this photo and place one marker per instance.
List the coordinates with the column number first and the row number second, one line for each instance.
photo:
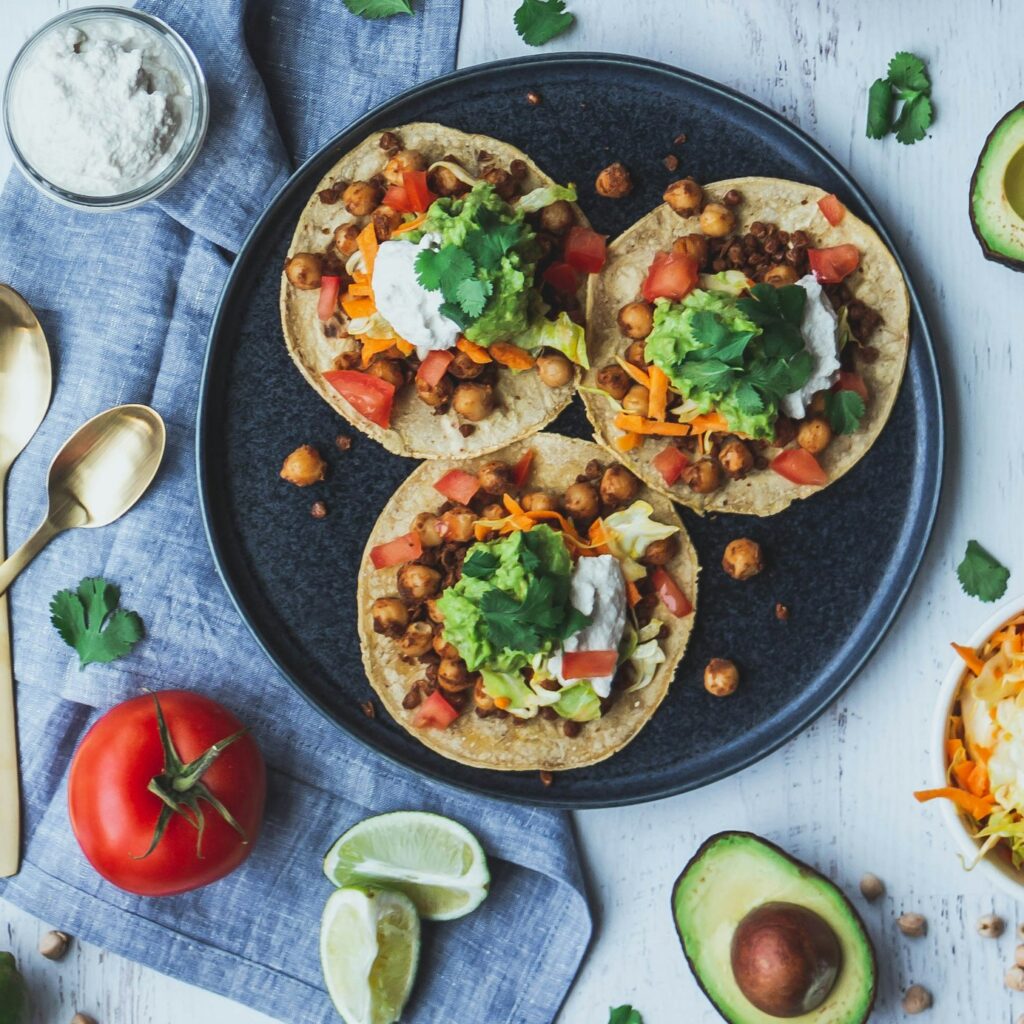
column 670, row 463
column 398, row 551
column 670, row 594
column 671, row 276
column 367, row 394
column 398, row 199
column 588, row 664
column 457, row 485
column 850, row 381
column 433, row 368
column 562, row 278
column 832, row 210
column 833, row 265
column 434, row 713
column 799, row 467
column 417, row 191
column 522, row 468
column 585, row 250
column 330, row 285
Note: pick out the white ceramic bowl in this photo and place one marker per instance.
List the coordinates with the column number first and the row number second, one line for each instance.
column 994, row 868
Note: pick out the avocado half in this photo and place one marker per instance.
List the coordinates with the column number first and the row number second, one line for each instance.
column 997, row 192
column 734, row 873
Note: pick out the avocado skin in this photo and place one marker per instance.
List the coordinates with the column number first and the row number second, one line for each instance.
column 13, row 993
column 1013, row 262
column 804, row 869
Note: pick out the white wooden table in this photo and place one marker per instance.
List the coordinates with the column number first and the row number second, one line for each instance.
column 840, row 795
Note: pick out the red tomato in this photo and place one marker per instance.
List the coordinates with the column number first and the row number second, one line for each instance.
column 671, row 276
column 330, row 285
column 367, row 394
column 398, row 199
column 588, row 664
column 433, row 368
column 670, row 594
column 850, row 381
column 833, row 265
column 585, row 250
column 522, row 468
column 799, row 467
column 417, row 191
column 832, row 210
column 115, row 817
column 398, row 551
column 562, row 278
column 670, row 463
column 434, row 713
column 457, row 485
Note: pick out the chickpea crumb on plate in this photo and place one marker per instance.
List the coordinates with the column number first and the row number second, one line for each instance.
column 614, row 182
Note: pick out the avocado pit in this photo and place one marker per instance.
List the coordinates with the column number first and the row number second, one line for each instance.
column 1013, row 183
column 785, row 959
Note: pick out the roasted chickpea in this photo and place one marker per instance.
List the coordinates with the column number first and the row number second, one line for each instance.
column 554, row 369
column 539, row 501
column 742, row 559
column 637, row 400
column 736, row 458
column 438, row 395
column 703, row 476
column 495, row 477
column 814, row 435
column 304, row 270
column 404, row 160
column 416, row 640
column 361, row 198
column 636, row 319
column 661, row 552
column 614, row 181
column 463, row 368
column 613, row 380
column 304, row 466
column 445, row 182
column 557, row 218
column 389, row 616
column 721, row 677
column 456, row 525
column 453, row 676
column 693, row 245
column 493, row 511
column 503, row 182
column 618, row 486
column 385, row 220
column 443, row 648
column 717, row 221
column 425, row 526
column 818, row 403
column 483, row 700
column 684, row 196
column 581, row 501
column 417, row 582
column 433, row 612
column 473, row 401
column 635, row 354
column 389, row 370
column 345, row 236
column 780, row 274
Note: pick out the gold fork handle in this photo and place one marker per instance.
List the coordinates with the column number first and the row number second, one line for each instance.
column 10, row 570
column 10, row 797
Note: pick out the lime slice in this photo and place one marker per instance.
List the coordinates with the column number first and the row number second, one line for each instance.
column 369, row 949
column 435, row 861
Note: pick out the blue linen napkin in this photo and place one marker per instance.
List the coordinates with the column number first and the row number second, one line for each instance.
column 126, row 301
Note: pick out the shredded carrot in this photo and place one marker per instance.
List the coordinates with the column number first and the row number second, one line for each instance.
column 634, row 371
column 409, row 225
column 481, row 531
column 368, row 245
column 405, row 347
column 971, row 659
column 627, row 442
column 659, row 393
column 977, row 781
column 984, row 753
column 374, row 346
column 710, row 422
column 360, row 289
column 360, row 277
column 512, row 505
column 632, row 594
column 502, row 702
column 953, row 747
column 962, row 774
column 511, row 355
column 475, row 352
column 355, row 308
column 976, row 807
column 641, row 425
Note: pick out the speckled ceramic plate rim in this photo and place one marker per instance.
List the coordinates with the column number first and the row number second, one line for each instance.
column 922, row 508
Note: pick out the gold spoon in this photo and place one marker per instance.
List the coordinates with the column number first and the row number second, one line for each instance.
column 26, row 381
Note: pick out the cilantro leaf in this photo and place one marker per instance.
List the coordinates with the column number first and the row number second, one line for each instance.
column 980, row 575
column 379, row 8
column 844, row 410
column 90, row 621
column 454, row 312
column 914, row 121
column 907, row 74
column 624, row 1015
column 717, row 340
column 879, row 109
column 539, row 21
column 480, row 565
column 444, row 270
column 472, row 295
column 492, row 240
column 709, row 374
column 748, row 400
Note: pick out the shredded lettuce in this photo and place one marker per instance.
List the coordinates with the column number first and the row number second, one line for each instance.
column 579, row 703
column 727, row 282
column 562, row 334
column 630, row 531
column 372, row 326
column 545, row 196
column 522, row 700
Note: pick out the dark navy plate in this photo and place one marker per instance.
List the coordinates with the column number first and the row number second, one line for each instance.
column 841, row 562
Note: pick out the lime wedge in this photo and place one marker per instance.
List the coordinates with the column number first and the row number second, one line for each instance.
column 369, row 949
column 435, row 861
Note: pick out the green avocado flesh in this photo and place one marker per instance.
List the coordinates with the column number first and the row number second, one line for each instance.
column 997, row 192
column 732, row 874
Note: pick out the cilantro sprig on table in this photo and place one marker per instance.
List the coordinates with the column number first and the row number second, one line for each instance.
column 980, row 575
column 379, row 8
column 90, row 620
column 906, row 82
column 539, row 21
column 624, row 1015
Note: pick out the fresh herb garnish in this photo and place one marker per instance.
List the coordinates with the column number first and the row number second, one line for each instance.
column 90, row 621
column 481, row 564
column 539, row 21
column 845, row 410
column 980, row 575
column 379, row 8
column 625, row 1015
column 907, row 81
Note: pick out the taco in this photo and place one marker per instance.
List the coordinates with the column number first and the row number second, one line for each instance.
column 433, row 291
column 526, row 610
column 748, row 342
